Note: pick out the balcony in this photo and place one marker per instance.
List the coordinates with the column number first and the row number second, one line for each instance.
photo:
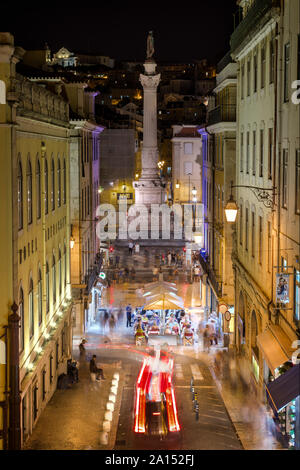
column 93, row 274
column 224, row 62
column 257, row 16
column 211, row 275
column 223, row 113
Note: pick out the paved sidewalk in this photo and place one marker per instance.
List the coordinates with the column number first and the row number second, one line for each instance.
column 73, row 418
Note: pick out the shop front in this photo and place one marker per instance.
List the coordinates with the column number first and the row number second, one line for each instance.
column 276, row 348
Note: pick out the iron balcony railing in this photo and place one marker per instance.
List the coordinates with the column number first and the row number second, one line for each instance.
column 223, row 113
column 211, row 275
column 93, row 274
column 224, row 62
column 252, row 20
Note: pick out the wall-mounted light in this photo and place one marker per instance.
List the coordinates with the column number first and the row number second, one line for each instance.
column 46, row 335
column 194, row 191
column 38, row 350
column 30, row 366
column 177, row 185
column 72, row 240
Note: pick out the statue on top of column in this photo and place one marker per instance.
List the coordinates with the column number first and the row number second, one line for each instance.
column 150, row 45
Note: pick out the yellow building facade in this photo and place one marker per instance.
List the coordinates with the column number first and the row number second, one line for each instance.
column 35, row 274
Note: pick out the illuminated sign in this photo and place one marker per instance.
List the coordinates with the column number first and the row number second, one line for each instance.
column 124, row 196
column 102, row 276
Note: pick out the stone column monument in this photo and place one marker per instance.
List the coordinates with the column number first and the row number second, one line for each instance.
column 148, row 189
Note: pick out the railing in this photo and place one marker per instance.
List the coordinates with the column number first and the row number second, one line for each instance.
column 93, row 273
column 223, row 113
column 255, row 14
column 224, row 62
column 211, row 275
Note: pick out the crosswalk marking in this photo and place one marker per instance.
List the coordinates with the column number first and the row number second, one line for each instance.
column 196, row 372
column 178, row 370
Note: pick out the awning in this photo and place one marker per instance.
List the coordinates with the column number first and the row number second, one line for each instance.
column 275, row 346
column 284, row 389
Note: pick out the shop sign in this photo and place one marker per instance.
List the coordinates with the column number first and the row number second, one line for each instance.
column 124, row 196
column 282, row 288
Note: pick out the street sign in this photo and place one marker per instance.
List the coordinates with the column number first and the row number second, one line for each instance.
column 223, row 308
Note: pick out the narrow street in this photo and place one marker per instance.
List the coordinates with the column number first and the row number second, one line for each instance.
column 229, row 416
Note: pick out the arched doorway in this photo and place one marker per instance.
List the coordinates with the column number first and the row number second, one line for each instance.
column 241, row 322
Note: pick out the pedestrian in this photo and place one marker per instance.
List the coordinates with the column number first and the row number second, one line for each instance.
column 169, row 258
column 117, row 261
column 128, row 314
column 94, row 369
column 137, row 248
column 111, row 323
column 120, row 313
column 155, row 273
column 105, row 318
column 196, row 273
column 130, row 247
column 206, row 339
column 173, row 257
column 126, row 274
column 82, row 347
column 132, row 273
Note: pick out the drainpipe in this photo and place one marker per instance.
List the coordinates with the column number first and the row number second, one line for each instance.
column 274, row 162
column 14, row 380
column 279, row 122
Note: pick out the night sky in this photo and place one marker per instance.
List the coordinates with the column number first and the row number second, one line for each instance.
column 183, row 30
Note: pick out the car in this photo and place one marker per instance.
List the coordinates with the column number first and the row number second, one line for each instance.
column 155, row 405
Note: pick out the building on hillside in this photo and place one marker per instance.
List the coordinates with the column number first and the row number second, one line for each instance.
column 117, row 165
column 35, row 254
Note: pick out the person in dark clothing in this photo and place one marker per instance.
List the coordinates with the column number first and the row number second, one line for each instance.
column 72, row 370
column 128, row 313
column 82, row 348
column 94, row 369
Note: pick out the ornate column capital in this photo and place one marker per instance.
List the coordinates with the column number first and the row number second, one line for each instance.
column 150, row 81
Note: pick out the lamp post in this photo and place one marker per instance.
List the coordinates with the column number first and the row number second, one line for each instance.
column 194, row 193
column 262, row 194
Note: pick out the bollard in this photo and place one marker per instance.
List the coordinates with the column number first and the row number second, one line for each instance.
column 197, row 410
column 104, row 438
column 108, row 416
column 110, row 406
column 192, row 382
column 114, row 390
column 112, row 398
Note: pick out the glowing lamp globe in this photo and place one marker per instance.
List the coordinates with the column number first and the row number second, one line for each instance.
column 231, row 210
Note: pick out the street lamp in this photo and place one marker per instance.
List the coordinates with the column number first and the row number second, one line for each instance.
column 261, row 194
column 72, row 241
